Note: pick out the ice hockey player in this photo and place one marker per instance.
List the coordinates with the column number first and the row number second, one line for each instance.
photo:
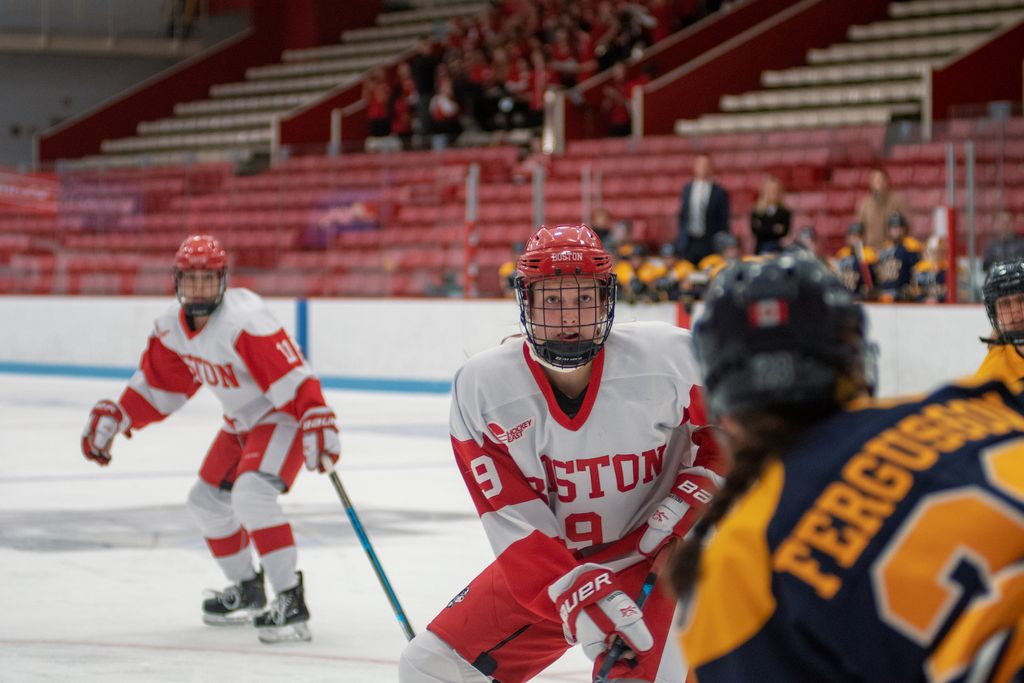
column 855, row 540
column 585, row 451
column 1004, row 302
column 275, row 417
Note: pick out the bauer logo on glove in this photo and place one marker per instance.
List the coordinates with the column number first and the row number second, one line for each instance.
column 319, row 432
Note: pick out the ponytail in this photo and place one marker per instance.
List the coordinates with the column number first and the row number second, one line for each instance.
column 765, row 437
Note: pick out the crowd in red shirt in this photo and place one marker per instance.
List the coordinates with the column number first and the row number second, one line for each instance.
column 491, row 71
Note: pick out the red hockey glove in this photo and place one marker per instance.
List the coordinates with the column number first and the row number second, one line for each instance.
column 319, row 437
column 677, row 513
column 595, row 610
column 105, row 421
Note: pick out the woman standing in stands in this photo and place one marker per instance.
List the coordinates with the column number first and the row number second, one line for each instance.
column 769, row 221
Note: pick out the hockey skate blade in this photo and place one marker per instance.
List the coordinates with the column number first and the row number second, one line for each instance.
column 290, row 633
column 242, row 617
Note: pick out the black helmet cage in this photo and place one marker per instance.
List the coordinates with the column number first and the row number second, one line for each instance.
column 566, row 355
column 198, row 309
column 783, row 332
column 1004, row 279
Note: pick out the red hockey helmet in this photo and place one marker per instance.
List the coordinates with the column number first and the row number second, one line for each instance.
column 566, row 292
column 200, row 252
column 564, row 250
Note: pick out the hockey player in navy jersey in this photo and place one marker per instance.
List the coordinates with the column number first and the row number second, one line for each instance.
column 856, row 539
column 585, row 451
column 275, row 417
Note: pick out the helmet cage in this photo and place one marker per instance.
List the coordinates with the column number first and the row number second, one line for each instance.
column 545, row 326
column 573, row 257
column 1005, row 283
column 200, row 253
column 203, row 307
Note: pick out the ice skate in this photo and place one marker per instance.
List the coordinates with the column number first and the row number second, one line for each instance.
column 286, row 619
column 236, row 605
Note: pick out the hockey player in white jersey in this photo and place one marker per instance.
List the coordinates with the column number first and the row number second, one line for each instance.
column 585, row 451
column 275, row 417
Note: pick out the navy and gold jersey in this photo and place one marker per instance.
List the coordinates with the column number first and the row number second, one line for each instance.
column 1003, row 362
column 854, row 275
column 896, row 264
column 887, row 545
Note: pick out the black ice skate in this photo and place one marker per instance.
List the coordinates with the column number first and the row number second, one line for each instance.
column 236, row 605
column 286, row 619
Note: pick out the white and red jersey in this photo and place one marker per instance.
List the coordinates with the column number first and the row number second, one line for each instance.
column 242, row 354
column 552, row 490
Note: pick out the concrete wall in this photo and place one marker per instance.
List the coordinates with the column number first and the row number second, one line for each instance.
column 416, row 345
column 40, row 90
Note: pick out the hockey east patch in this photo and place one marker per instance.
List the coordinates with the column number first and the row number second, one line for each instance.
column 509, row 435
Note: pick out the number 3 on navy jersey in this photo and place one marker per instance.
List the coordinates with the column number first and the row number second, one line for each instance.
column 934, row 541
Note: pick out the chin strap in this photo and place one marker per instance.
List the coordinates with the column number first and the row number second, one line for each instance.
column 993, row 341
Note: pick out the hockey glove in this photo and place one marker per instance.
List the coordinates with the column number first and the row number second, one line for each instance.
column 595, row 610
column 677, row 513
column 105, row 421
column 319, row 437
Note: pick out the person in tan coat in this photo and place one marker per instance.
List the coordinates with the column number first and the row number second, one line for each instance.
column 874, row 209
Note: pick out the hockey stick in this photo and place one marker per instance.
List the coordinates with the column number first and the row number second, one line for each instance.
column 619, row 647
column 403, row 621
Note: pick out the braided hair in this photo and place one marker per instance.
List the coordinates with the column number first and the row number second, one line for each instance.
column 766, row 437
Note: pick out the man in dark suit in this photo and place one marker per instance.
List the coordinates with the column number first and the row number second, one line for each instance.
column 703, row 211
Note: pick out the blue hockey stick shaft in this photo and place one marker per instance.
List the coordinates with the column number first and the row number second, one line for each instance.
column 403, row 620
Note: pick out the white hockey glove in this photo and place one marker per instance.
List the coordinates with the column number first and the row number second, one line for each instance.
column 319, row 437
column 595, row 610
column 675, row 515
column 105, row 421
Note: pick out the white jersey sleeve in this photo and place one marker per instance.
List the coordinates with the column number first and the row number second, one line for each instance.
column 242, row 354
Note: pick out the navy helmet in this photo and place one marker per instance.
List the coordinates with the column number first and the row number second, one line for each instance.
column 781, row 332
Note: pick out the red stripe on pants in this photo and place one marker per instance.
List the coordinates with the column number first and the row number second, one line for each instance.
column 229, row 545
column 273, row 538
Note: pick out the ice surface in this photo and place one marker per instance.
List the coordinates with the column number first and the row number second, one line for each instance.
column 102, row 569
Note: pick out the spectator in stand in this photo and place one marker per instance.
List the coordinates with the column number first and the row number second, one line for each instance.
column 423, row 66
column 896, row 262
column 605, row 27
column 563, row 58
column 856, row 262
column 542, row 76
column 586, row 65
column 403, row 103
column 703, row 212
column 874, row 209
column 769, row 221
column 1006, row 246
column 616, row 104
column 377, row 95
column 517, row 89
column 444, row 115
column 477, row 75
